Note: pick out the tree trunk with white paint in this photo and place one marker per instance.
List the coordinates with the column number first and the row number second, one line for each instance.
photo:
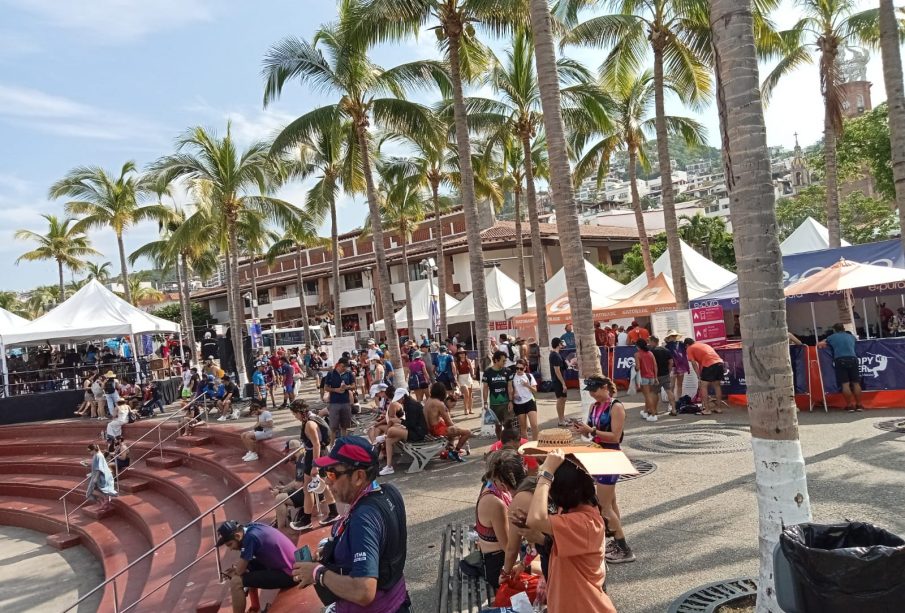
column 895, row 101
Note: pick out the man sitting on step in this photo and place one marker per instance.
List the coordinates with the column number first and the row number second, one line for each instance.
column 262, row 431
column 265, row 561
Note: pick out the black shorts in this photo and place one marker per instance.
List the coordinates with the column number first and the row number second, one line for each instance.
column 266, row 578
column 297, row 498
column 713, row 373
column 524, row 408
column 558, row 390
column 848, row 370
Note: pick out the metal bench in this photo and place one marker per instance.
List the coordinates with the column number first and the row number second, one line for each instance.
column 422, row 452
column 459, row 593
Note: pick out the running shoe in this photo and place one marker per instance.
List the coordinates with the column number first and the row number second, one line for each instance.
column 387, row 470
column 221, row 418
column 651, row 417
column 326, row 521
column 620, row 555
column 301, row 526
column 251, row 457
column 644, row 414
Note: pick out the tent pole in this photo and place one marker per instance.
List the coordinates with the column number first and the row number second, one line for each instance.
column 817, row 353
column 5, row 372
column 181, row 347
column 135, row 355
column 866, row 322
column 850, row 302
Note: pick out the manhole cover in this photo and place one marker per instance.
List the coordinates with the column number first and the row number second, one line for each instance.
column 708, row 598
column 891, row 425
column 694, row 439
column 642, row 466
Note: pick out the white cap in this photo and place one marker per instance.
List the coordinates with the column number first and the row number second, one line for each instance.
column 400, row 392
column 376, row 389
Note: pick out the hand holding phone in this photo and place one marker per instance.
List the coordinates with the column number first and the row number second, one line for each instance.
column 303, row 554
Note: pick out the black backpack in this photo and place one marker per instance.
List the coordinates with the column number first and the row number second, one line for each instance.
column 109, row 386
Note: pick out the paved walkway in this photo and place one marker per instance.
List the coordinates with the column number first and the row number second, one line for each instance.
column 36, row 577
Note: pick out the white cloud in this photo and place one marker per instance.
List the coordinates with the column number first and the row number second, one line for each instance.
column 116, row 21
column 65, row 117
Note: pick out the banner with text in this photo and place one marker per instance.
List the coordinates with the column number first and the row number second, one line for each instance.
column 680, row 321
column 708, row 323
column 882, row 364
column 623, row 363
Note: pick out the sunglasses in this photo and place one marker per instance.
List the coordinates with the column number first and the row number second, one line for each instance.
column 520, row 368
column 334, row 475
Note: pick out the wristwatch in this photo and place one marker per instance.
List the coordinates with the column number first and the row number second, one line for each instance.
column 546, row 474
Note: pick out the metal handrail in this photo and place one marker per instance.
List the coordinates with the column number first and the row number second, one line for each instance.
column 154, row 549
column 204, row 555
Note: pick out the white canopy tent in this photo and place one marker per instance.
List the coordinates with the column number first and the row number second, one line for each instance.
column 602, row 287
column 423, row 303
column 701, row 275
column 500, row 290
column 811, row 235
column 10, row 322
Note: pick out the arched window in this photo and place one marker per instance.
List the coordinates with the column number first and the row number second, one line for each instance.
column 797, row 178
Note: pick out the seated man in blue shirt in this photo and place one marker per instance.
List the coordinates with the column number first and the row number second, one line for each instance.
column 265, row 560
column 846, row 364
column 362, row 563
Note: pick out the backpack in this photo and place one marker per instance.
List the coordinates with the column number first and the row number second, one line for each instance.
column 686, row 405
column 109, row 386
column 510, row 352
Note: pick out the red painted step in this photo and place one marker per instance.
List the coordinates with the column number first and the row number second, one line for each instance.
column 62, row 540
column 97, row 511
column 194, row 440
column 132, row 485
column 164, row 462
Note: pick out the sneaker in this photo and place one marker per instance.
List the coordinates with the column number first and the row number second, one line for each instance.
column 247, row 455
column 672, row 412
column 644, row 414
column 651, row 418
column 620, row 555
column 611, row 546
column 453, row 455
column 251, row 457
column 326, row 521
column 221, row 418
column 378, row 440
column 387, row 470
column 850, row 409
column 300, row 526
column 233, row 416
column 858, row 408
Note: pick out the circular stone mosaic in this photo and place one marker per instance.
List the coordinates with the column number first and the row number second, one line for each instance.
column 891, row 425
column 694, row 439
column 642, row 466
column 710, row 597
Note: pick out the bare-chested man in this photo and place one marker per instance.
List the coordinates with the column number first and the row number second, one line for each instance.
column 439, row 422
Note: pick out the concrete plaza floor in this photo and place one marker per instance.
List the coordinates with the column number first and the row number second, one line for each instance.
column 691, row 521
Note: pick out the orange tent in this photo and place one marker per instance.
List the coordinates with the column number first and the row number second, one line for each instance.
column 657, row 296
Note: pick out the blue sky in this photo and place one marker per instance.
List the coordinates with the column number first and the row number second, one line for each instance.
column 99, row 82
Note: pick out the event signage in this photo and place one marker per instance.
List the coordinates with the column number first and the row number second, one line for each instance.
column 708, row 324
column 623, row 362
column 734, row 374
column 664, row 321
column 882, row 365
column 500, row 325
column 254, row 331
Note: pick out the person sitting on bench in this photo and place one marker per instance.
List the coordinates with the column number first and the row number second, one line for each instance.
column 265, row 561
column 413, row 428
column 441, row 424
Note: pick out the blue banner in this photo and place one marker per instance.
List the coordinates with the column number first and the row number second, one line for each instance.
column 623, row 363
column 734, row 374
column 802, row 265
column 604, row 361
column 799, row 355
column 882, row 364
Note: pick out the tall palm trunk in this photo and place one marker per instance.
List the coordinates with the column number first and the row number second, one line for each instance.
column 520, row 250
column 123, row 270
column 781, row 484
column 182, row 324
column 441, row 259
column 407, row 284
column 832, row 182
column 334, row 241
column 237, row 313
column 185, row 291
column 895, row 101
column 667, row 197
column 383, row 271
column 300, row 283
column 639, row 214
column 561, row 186
column 537, row 248
column 469, row 206
column 62, row 282
column 253, row 275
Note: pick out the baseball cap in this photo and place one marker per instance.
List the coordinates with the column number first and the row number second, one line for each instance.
column 594, row 383
column 227, row 532
column 377, row 388
column 399, row 393
column 371, row 341
column 443, row 349
column 210, row 357
column 352, row 450
column 416, row 355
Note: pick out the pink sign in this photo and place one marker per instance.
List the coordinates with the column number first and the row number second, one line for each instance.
column 715, row 331
column 706, row 314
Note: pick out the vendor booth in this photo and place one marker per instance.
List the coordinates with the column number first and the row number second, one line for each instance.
column 425, row 311
column 811, row 235
column 500, row 289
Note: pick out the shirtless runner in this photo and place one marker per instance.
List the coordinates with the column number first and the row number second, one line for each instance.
column 440, row 424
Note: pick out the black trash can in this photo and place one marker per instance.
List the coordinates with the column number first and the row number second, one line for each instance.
column 847, row 567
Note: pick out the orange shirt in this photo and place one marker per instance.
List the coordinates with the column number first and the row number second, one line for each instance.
column 577, row 571
column 633, row 335
column 703, row 354
column 643, row 333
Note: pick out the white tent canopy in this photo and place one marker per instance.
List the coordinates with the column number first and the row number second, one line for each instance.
column 92, row 312
column 602, row 287
column 500, row 290
column 10, row 322
column 811, row 235
column 422, row 298
column 701, row 275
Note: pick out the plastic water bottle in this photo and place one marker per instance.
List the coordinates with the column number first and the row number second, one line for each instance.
column 540, row 598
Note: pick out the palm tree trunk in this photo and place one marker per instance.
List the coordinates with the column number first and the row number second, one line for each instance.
column 254, row 285
column 62, row 282
column 237, row 313
column 667, row 197
column 895, row 100
column 300, row 283
column 520, row 251
column 334, row 241
column 832, row 177
column 127, row 292
column 639, row 214
column 537, row 249
column 561, row 186
column 406, row 283
column 383, row 272
column 469, row 206
column 441, row 261
column 185, row 292
column 781, row 484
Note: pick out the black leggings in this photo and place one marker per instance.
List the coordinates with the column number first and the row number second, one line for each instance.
column 493, row 566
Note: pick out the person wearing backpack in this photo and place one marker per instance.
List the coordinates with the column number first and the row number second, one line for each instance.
column 506, row 347
column 111, row 392
column 444, row 368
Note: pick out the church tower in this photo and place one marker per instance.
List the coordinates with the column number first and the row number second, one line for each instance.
column 801, row 176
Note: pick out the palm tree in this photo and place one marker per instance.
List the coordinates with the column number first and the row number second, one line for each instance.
column 64, row 242
column 10, row 301
column 678, row 35
column 141, row 292
column 41, row 299
column 98, row 271
column 828, row 27
column 561, row 186
column 330, row 153
column 782, row 491
column 336, row 61
column 895, row 99
column 633, row 95
column 255, row 239
column 232, row 181
column 105, row 201
column 298, row 236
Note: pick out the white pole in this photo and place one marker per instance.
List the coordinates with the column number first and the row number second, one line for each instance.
column 181, row 347
column 5, row 372
column 866, row 322
column 817, row 353
column 135, row 355
column 850, row 302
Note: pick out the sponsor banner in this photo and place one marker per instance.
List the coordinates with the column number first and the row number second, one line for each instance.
column 623, row 362
column 501, row 325
column 254, row 332
column 734, row 377
column 710, row 332
column 605, row 361
column 882, row 363
column 706, row 314
column 799, row 356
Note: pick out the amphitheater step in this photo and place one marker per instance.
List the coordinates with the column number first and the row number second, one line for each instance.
column 195, row 440
column 98, row 511
column 132, row 486
column 209, row 606
column 158, row 462
column 62, row 540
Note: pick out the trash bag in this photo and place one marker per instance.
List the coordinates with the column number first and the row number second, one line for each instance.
column 841, row 568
